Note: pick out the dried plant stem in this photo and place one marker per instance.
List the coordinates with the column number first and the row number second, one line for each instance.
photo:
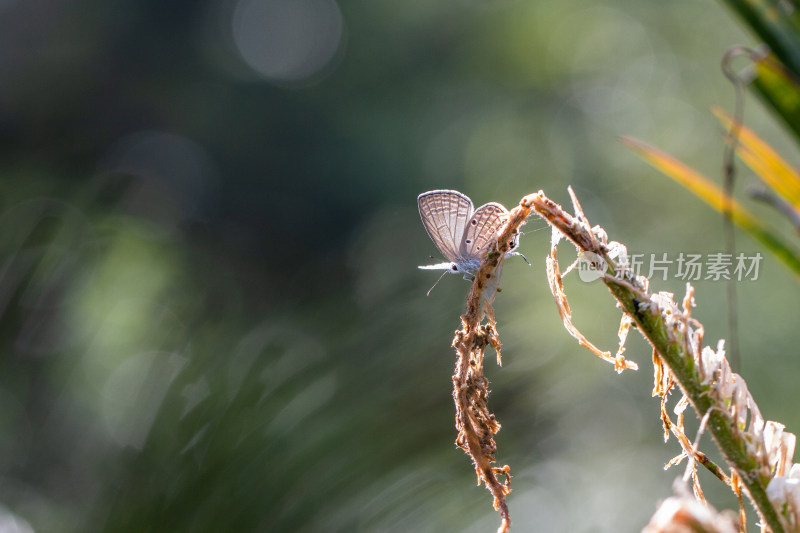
column 758, row 452
column 678, row 346
column 475, row 424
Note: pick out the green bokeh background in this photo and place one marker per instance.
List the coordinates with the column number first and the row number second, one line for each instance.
column 212, row 318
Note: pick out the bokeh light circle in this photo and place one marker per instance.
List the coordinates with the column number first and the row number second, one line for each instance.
column 287, row 40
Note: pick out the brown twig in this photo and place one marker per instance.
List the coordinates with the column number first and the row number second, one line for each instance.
column 475, row 424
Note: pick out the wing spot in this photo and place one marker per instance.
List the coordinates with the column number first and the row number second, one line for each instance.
column 474, row 222
column 468, row 241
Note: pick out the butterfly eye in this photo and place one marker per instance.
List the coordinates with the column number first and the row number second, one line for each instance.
column 454, row 267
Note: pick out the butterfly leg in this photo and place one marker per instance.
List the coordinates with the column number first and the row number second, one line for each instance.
column 522, row 256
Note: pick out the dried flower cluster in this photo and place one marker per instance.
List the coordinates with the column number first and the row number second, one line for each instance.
column 684, row 514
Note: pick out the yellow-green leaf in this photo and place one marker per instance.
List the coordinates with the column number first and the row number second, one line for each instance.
column 774, row 171
column 713, row 195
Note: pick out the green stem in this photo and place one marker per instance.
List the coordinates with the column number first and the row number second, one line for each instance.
column 720, row 425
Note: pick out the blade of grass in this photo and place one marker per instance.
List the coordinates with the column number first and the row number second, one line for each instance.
column 779, row 90
column 775, row 171
column 713, row 195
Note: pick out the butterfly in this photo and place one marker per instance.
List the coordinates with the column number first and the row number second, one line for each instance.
column 461, row 232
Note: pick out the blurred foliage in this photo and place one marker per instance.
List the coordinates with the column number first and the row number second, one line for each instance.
column 716, row 197
column 211, row 313
column 773, row 70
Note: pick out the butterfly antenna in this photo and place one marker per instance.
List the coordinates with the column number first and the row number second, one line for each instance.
column 437, row 282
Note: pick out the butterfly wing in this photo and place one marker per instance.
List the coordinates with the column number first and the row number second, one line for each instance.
column 484, row 223
column 445, row 215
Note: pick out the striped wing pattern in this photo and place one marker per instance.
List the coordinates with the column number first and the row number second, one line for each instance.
column 445, row 215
